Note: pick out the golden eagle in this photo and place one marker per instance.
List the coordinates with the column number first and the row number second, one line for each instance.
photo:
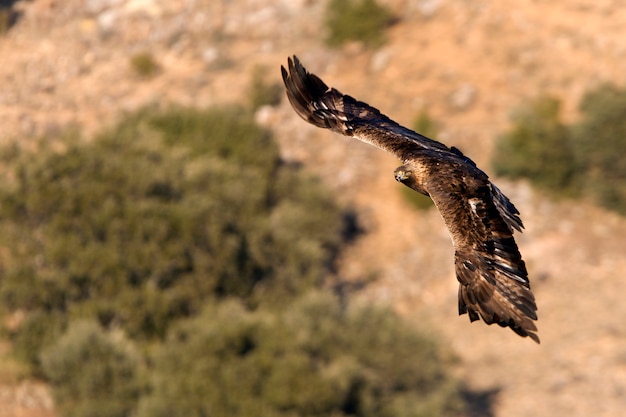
column 493, row 279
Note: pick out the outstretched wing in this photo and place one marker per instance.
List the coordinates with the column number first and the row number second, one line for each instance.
column 492, row 275
column 493, row 280
column 326, row 107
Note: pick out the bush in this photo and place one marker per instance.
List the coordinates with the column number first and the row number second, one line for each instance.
column 538, row 148
column 186, row 223
column 312, row 358
column 142, row 225
column 584, row 159
column 600, row 144
column 38, row 331
column 92, row 375
column 144, row 64
column 425, row 125
column 356, row 20
column 263, row 93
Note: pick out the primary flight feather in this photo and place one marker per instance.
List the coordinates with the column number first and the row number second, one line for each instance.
column 493, row 280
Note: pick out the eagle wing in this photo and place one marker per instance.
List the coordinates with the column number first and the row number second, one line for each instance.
column 326, row 107
column 493, row 279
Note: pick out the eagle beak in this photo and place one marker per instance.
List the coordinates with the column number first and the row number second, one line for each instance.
column 401, row 175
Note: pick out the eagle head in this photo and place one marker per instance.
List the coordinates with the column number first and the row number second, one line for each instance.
column 409, row 176
column 402, row 174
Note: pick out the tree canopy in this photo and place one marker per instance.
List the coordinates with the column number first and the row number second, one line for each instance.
column 583, row 159
column 174, row 265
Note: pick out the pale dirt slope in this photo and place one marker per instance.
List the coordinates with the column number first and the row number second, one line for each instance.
column 469, row 63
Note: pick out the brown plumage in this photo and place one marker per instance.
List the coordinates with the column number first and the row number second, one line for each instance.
column 493, row 279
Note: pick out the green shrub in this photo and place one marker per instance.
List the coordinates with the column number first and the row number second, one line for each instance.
column 425, row 125
column 262, row 92
column 142, row 225
column 356, row 20
column 313, row 358
column 91, row 374
column 584, row 159
column 538, row 148
column 144, row 64
column 600, row 145
column 186, row 223
column 38, row 331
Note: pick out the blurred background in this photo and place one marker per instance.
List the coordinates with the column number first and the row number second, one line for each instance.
column 175, row 240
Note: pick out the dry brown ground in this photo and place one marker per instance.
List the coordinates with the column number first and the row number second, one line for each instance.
column 469, row 63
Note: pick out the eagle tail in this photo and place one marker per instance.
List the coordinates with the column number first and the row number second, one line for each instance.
column 495, row 294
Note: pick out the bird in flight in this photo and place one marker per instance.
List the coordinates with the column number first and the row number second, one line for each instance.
column 493, row 280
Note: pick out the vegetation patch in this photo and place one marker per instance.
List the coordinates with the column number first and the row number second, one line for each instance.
column 92, row 373
column 538, row 148
column 262, row 92
column 144, row 64
column 144, row 224
column 357, row 20
column 312, row 359
column 580, row 160
column 174, row 265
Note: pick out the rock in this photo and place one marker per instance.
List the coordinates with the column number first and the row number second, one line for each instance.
column 295, row 5
column 428, row 8
column 106, row 20
column 265, row 116
column 97, row 6
column 88, row 26
column 463, row 97
column 149, row 7
column 210, row 55
column 380, row 60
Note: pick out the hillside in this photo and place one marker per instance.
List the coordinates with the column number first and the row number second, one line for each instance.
column 469, row 64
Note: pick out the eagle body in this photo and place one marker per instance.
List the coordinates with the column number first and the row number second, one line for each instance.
column 493, row 280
